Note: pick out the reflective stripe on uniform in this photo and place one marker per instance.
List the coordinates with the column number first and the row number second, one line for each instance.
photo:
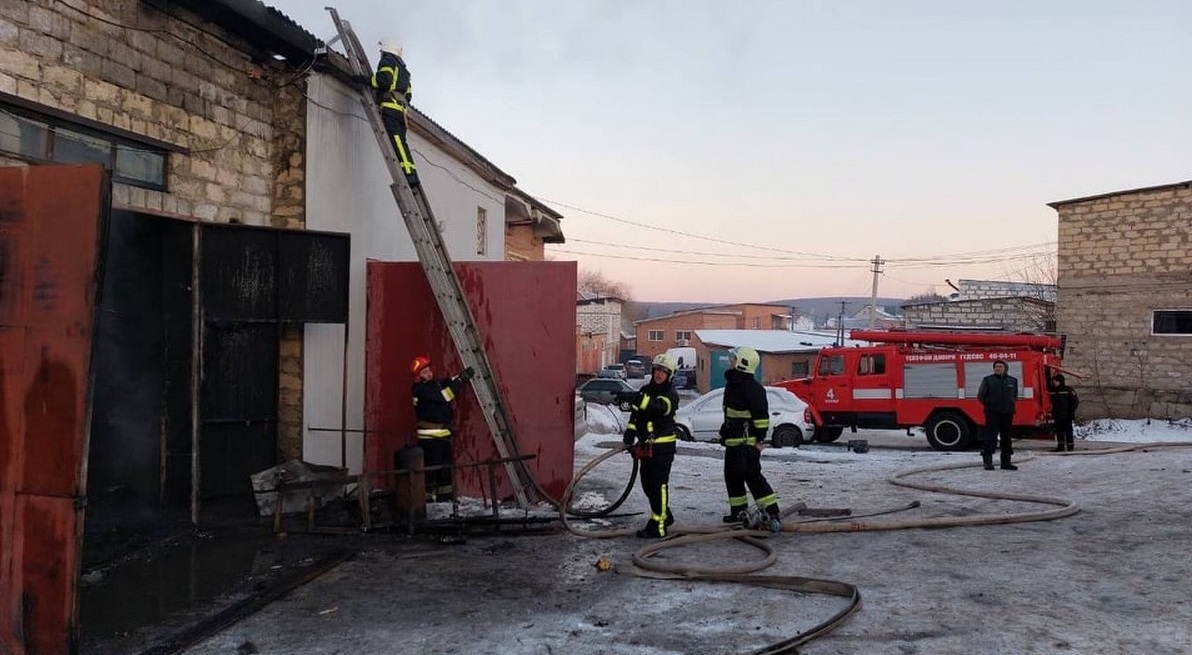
column 433, row 433
column 666, row 439
column 729, row 412
column 741, row 441
column 767, row 501
column 448, row 394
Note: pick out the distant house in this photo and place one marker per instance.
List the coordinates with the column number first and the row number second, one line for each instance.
column 598, row 319
column 656, row 335
column 988, row 305
column 784, row 354
column 1125, row 300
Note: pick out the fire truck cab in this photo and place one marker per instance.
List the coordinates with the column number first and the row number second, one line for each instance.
column 912, row 378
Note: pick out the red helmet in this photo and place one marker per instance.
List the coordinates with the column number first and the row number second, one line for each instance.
column 418, row 364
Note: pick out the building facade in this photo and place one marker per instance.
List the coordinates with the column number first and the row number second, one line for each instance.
column 1125, row 300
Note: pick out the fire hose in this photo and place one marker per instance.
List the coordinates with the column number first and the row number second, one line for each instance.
column 649, row 567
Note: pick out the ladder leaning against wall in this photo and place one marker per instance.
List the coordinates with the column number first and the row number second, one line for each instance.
column 432, row 253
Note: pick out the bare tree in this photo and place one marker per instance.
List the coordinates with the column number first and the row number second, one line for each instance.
column 595, row 284
column 1041, row 273
column 930, row 296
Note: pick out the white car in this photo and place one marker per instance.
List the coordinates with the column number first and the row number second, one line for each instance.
column 700, row 419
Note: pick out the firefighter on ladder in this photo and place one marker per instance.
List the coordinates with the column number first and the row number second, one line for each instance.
column 651, row 434
column 433, row 415
column 391, row 86
column 743, row 435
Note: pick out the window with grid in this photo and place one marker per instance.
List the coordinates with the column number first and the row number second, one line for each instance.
column 682, row 335
column 27, row 135
column 654, row 335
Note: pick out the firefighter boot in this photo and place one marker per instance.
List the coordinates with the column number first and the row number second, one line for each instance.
column 735, row 515
column 1059, row 447
column 1071, row 445
column 650, row 531
column 987, row 458
column 1006, row 465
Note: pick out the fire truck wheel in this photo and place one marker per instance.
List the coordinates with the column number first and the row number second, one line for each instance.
column 787, row 435
column 949, row 431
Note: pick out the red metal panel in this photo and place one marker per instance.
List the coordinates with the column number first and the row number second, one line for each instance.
column 525, row 312
column 50, row 227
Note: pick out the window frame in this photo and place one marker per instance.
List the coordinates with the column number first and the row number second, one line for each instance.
column 655, row 335
column 481, row 231
column 58, row 127
column 683, row 335
column 1173, row 310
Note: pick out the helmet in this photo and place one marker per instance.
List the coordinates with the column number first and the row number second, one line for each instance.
column 390, row 44
column 664, row 362
column 420, row 362
column 747, row 359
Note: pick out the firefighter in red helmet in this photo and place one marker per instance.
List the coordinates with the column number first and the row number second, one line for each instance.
column 433, row 415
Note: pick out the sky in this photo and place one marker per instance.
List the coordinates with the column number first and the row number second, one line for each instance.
column 718, row 152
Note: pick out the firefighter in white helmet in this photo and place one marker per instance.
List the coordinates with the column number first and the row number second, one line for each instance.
column 391, row 86
column 651, row 433
column 743, row 435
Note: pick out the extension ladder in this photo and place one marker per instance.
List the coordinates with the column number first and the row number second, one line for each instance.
column 432, row 253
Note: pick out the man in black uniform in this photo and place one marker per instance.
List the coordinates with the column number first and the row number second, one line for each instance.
column 743, row 434
column 997, row 394
column 651, row 432
column 433, row 414
column 1064, row 402
column 391, row 85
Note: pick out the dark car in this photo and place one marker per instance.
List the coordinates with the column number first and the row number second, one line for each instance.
column 603, row 391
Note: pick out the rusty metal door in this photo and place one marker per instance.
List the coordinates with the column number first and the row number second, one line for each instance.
column 51, row 226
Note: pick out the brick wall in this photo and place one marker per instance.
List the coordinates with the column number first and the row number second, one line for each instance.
column 1120, row 257
column 521, row 244
column 680, row 323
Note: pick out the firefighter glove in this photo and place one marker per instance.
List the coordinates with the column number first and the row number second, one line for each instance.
column 629, row 437
column 467, row 374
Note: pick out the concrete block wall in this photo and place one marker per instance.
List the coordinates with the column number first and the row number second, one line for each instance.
column 1121, row 257
column 1013, row 314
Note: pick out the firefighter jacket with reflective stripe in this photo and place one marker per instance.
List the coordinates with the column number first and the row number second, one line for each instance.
column 746, row 410
column 998, row 393
column 391, row 83
column 653, row 416
column 432, row 405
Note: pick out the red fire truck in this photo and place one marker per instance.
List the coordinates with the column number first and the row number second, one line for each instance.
column 911, row 378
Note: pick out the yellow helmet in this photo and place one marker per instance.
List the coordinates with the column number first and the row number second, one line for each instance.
column 664, row 362
column 745, row 359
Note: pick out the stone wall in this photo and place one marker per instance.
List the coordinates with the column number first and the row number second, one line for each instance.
column 239, row 124
column 522, row 245
column 1012, row 314
column 1121, row 257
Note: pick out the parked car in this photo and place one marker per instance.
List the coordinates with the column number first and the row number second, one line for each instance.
column 603, row 391
column 684, row 378
column 612, row 371
column 634, row 369
column 700, row 419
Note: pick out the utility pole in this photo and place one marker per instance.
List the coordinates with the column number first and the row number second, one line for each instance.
column 877, row 262
column 840, row 325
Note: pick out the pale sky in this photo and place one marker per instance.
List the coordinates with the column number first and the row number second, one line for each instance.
column 790, row 141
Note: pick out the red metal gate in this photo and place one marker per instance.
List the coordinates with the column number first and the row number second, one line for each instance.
column 51, row 220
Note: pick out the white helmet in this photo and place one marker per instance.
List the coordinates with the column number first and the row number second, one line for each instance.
column 390, row 44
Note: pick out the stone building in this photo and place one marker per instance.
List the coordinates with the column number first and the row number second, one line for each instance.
column 988, row 305
column 598, row 324
column 1125, row 300
column 219, row 113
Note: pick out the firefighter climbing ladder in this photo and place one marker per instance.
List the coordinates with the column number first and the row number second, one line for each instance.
column 432, row 253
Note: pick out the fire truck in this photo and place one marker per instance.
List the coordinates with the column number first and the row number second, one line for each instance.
column 913, row 378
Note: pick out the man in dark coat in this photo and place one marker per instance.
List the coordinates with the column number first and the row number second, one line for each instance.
column 433, row 415
column 393, row 91
column 743, row 435
column 998, row 394
column 651, row 432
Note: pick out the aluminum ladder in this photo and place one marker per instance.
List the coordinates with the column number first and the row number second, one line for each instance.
column 432, row 253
